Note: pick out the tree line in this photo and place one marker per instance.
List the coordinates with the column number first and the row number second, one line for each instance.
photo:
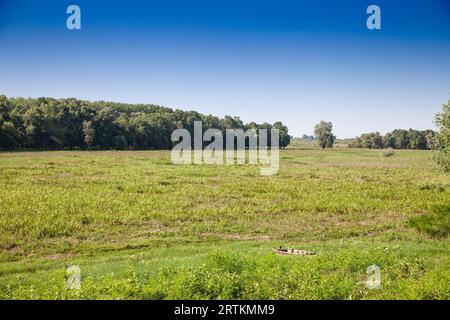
column 397, row 139
column 49, row 124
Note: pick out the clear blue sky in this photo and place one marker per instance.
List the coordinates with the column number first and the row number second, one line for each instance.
column 295, row 61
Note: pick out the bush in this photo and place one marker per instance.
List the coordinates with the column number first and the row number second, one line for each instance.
column 387, row 152
column 442, row 158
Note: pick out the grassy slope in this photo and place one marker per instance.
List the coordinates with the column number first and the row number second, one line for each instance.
column 122, row 211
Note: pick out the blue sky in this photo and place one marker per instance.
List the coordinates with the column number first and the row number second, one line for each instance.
column 295, row 61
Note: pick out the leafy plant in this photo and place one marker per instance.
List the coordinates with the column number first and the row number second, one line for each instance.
column 442, row 140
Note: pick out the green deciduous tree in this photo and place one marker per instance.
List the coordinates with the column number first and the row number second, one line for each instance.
column 324, row 135
column 285, row 138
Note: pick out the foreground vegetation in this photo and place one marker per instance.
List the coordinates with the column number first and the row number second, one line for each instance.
column 247, row 271
column 140, row 227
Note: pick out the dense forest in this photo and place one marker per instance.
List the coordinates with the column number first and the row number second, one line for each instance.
column 47, row 123
column 397, row 139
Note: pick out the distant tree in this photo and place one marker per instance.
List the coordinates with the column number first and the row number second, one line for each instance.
column 442, row 139
column 231, row 122
column 3, row 114
column 285, row 138
column 356, row 143
column 105, row 127
column 401, row 139
column 371, row 140
column 3, row 108
column 89, row 133
column 307, row 137
column 9, row 135
column 389, row 140
column 323, row 132
column 377, row 141
column 429, row 138
column 416, row 139
column 268, row 127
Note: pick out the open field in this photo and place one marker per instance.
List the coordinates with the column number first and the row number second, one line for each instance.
column 141, row 227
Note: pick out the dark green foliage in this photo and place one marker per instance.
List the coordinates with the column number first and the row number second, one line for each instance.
column 436, row 224
column 397, row 139
column 285, row 138
column 47, row 123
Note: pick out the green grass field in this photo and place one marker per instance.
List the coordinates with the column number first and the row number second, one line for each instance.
column 140, row 227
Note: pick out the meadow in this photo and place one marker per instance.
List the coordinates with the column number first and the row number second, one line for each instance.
column 140, row 227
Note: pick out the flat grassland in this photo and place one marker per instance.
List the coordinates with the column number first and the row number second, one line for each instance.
column 140, row 227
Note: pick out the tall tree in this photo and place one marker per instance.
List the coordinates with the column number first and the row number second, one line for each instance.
column 324, row 135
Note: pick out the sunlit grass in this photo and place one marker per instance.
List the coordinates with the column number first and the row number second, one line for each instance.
column 60, row 207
